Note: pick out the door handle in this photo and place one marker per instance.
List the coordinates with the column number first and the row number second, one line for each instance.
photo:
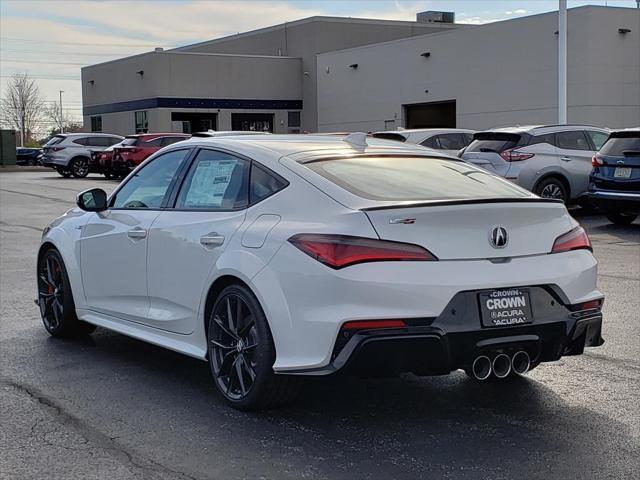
column 211, row 240
column 565, row 159
column 137, row 233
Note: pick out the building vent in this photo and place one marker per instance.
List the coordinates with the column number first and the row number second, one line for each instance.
column 158, row 49
column 432, row 16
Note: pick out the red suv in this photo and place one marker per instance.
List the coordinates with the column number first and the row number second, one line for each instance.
column 134, row 149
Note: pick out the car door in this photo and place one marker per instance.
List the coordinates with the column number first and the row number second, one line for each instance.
column 574, row 155
column 113, row 246
column 186, row 241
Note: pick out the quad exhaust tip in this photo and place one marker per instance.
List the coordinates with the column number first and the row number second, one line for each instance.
column 520, row 362
column 481, row 367
column 501, row 366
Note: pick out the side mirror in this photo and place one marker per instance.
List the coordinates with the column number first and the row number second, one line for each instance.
column 94, row 200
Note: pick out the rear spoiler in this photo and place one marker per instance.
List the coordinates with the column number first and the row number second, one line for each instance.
column 472, row 201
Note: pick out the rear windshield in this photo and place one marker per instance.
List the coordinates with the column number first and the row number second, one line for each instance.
column 130, row 142
column 413, row 179
column 390, row 136
column 493, row 142
column 54, row 140
column 621, row 145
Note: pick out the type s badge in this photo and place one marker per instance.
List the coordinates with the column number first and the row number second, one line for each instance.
column 502, row 308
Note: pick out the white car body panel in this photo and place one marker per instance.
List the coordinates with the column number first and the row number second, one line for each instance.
column 155, row 288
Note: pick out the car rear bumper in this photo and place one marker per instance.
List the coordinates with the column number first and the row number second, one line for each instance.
column 628, row 202
column 425, row 347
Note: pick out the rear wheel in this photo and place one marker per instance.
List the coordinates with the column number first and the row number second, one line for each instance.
column 79, row 167
column 621, row 218
column 552, row 187
column 56, row 299
column 242, row 353
column 63, row 171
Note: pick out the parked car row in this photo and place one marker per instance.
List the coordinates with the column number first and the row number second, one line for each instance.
column 580, row 164
column 28, row 156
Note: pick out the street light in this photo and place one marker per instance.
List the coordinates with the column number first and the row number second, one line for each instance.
column 61, row 120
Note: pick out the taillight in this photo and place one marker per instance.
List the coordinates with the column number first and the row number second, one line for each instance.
column 371, row 324
column 339, row 251
column 596, row 161
column 513, row 156
column 590, row 305
column 575, row 239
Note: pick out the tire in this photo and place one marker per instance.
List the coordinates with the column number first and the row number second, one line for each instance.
column 552, row 187
column 79, row 167
column 63, row 171
column 241, row 353
column 55, row 298
column 621, row 218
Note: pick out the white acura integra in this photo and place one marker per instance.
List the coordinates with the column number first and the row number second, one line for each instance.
column 274, row 256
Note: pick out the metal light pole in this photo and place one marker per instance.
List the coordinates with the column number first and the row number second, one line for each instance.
column 61, row 115
column 562, row 62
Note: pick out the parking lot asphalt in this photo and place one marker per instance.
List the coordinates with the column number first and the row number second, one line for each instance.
column 108, row 406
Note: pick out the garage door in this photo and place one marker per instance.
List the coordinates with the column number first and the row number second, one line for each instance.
column 431, row 115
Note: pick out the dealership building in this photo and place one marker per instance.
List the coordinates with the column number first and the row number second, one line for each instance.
column 344, row 74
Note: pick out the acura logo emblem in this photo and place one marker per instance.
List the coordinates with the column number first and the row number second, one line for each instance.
column 498, row 237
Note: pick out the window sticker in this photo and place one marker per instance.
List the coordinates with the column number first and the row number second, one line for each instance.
column 209, row 183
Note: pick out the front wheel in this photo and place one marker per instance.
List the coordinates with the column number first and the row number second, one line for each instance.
column 552, row 188
column 80, row 167
column 55, row 298
column 621, row 218
column 63, row 171
column 241, row 353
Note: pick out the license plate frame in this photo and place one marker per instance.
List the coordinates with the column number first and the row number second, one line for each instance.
column 513, row 311
column 622, row 172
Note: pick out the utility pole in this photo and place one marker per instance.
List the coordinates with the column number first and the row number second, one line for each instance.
column 562, row 62
column 61, row 115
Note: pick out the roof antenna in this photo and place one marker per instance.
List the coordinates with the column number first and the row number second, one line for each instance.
column 356, row 139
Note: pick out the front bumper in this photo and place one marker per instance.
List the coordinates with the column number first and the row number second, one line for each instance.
column 429, row 346
column 619, row 201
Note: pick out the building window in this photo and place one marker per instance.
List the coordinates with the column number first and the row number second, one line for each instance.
column 142, row 126
column 96, row 124
column 294, row 119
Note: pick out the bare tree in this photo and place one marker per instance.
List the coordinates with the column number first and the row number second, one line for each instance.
column 56, row 117
column 21, row 105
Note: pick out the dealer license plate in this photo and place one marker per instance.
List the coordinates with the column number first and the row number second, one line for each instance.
column 504, row 308
column 622, row 172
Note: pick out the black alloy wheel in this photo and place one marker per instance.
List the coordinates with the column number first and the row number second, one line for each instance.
column 621, row 218
column 241, row 353
column 55, row 298
column 552, row 188
column 80, row 167
column 233, row 343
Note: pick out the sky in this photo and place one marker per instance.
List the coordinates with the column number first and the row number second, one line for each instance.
column 52, row 39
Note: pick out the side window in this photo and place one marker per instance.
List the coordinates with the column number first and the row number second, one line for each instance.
column 572, row 140
column 114, row 140
column 171, row 140
column 156, row 142
column 430, row 142
column 548, row 138
column 468, row 138
column 450, row 141
column 216, row 181
column 99, row 141
column 81, row 141
column 149, row 186
column 597, row 138
column 264, row 184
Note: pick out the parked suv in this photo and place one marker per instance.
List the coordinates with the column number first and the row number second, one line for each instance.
column 69, row 153
column 28, row 156
column 136, row 148
column 446, row 140
column 614, row 185
column 553, row 161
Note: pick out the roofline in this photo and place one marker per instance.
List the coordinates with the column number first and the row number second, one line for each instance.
column 203, row 54
column 320, row 18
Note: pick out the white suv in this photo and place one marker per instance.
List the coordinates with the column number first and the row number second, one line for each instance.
column 445, row 140
column 69, row 153
column 552, row 161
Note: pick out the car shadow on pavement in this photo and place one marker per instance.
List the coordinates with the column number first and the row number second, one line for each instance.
column 394, row 428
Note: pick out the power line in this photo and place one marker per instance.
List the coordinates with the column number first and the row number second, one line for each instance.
column 45, row 77
column 48, row 42
column 84, row 54
column 11, row 60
